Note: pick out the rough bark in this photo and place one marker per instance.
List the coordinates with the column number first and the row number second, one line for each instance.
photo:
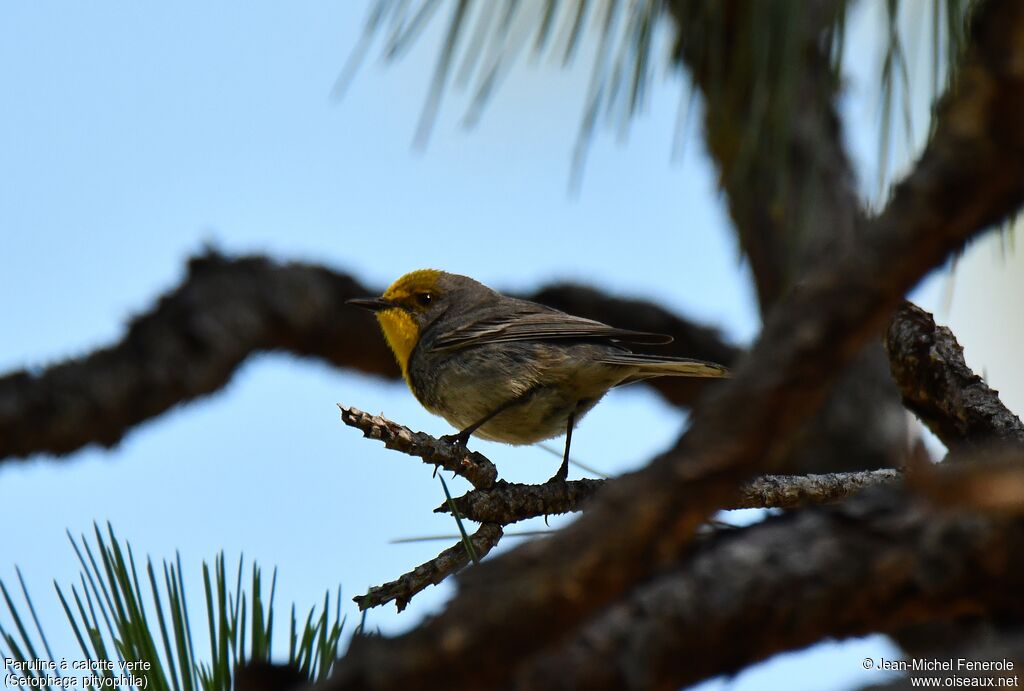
column 496, row 503
column 507, row 503
column 938, row 386
column 473, row 466
column 450, row 561
column 790, row 189
column 878, row 563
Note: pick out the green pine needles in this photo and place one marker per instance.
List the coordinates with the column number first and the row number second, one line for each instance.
column 123, row 640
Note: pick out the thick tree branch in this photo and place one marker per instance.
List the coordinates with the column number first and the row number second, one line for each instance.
column 877, row 563
column 450, row 561
column 928, row 365
column 188, row 345
column 506, row 503
column 938, row 386
column 226, row 309
column 970, row 176
column 771, row 125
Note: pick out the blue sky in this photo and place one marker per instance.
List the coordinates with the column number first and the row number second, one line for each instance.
column 135, row 134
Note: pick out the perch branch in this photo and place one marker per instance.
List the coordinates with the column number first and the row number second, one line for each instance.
column 496, row 504
column 506, row 503
column 471, row 465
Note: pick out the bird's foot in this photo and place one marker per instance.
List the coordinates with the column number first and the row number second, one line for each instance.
column 560, row 475
column 460, row 440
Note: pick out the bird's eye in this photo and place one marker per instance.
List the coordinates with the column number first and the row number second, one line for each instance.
column 424, row 298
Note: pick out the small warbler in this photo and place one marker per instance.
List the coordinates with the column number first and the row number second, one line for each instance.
column 507, row 369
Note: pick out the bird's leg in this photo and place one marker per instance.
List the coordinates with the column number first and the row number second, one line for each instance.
column 563, row 470
column 462, row 438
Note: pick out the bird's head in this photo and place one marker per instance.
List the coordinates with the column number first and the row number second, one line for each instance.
column 408, row 307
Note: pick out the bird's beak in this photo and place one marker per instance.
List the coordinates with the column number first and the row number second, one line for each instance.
column 372, row 304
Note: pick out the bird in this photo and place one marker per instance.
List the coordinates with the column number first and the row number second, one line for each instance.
column 508, row 369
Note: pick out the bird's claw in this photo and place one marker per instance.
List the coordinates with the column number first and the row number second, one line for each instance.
column 460, row 439
column 559, row 478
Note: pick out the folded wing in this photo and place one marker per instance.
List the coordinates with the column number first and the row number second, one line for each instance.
column 541, row 324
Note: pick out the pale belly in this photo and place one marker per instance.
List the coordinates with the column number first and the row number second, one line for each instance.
column 545, row 414
column 548, row 389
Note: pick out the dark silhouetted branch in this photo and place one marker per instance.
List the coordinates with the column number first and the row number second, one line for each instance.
column 938, row 386
column 878, row 563
column 189, row 344
column 450, row 561
column 772, row 129
column 512, row 606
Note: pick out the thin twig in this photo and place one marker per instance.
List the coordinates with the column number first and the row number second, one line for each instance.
column 451, row 560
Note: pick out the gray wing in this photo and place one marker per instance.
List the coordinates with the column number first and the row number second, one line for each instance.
column 539, row 323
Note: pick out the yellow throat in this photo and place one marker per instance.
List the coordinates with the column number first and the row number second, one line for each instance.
column 400, row 330
column 401, row 333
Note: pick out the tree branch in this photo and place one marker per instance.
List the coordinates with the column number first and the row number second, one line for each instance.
column 771, row 126
column 508, row 608
column 192, row 341
column 880, row 562
column 938, row 386
column 186, row 346
column 496, row 504
column 471, row 465
column 450, row 561
column 795, row 491
column 507, row 503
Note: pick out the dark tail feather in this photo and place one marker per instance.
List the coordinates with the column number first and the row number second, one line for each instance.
column 661, row 366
